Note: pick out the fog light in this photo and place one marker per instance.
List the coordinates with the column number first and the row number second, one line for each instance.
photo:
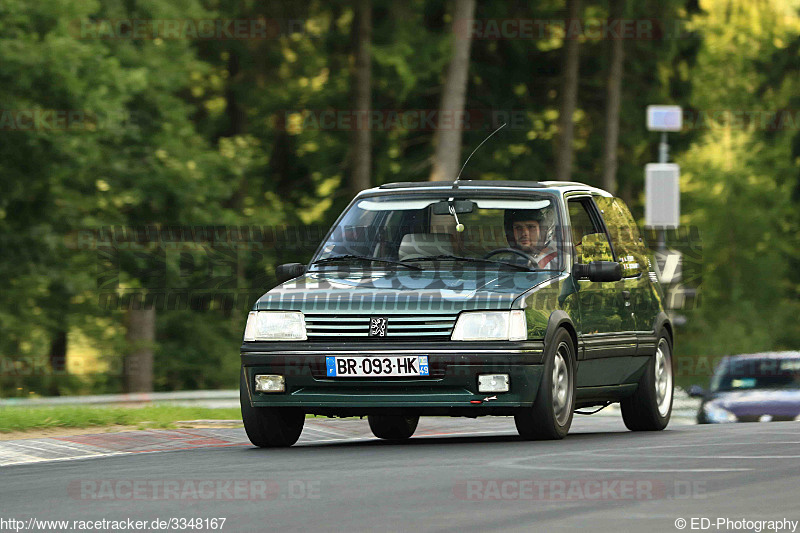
column 493, row 383
column 270, row 383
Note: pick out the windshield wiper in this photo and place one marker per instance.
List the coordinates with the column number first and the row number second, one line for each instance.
column 350, row 257
column 470, row 260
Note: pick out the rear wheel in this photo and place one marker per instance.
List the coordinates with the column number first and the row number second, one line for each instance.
column 650, row 407
column 270, row 427
column 550, row 417
column 393, row 427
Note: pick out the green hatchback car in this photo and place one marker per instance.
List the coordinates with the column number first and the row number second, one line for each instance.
column 506, row 298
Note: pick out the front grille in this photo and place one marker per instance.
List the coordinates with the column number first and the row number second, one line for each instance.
column 405, row 327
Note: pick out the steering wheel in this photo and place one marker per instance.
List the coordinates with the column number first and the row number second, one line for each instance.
column 510, row 250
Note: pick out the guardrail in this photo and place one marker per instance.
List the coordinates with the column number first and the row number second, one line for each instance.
column 214, row 398
column 683, row 406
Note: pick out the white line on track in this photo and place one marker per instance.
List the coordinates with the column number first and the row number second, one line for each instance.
column 626, row 470
column 659, row 456
column 732, row 456
column 23, row 459
column 325, row 431
column 321, row 441
column 12, row 457
column 465, row 434
column 593, row 454
column 49, row 446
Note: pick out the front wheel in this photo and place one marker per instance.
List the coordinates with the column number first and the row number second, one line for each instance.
column 550, row 417
column 269, row 427
column 393, row 427
column 650, row 407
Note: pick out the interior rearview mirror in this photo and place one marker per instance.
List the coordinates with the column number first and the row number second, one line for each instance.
column 461, row 206
column 289, row 271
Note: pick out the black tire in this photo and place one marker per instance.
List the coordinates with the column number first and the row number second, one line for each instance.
column 270, row 427
column 550, row 419
column 647, row 409
column 393, row 427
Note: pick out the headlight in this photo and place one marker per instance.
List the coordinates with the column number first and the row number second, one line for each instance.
column 275, row 326
column 717, row 415
column 491, row 326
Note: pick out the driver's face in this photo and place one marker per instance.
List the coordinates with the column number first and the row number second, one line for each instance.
column 526, row 234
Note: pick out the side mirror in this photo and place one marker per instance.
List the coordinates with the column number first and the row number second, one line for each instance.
column 598, row 271
column 696, row 391
column 289, row 271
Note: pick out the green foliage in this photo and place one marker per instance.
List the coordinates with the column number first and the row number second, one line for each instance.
column 198, row 351
column 737, row 183
column 227, row 132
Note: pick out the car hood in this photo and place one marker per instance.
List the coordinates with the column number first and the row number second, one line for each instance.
column 407, row 291
column 784, row 403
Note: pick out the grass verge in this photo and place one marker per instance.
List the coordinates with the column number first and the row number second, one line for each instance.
column 151, row 416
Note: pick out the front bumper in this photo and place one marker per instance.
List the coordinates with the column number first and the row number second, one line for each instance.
column 450, row 388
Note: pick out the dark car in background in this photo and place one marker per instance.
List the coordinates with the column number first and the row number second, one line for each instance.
column 524, row 299
column 760, row 387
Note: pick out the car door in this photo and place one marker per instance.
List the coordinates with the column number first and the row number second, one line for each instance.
column 604, row 319
column 641, row 299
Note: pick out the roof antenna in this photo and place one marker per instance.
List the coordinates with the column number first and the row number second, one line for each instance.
column 451, row 207
column 503, row 125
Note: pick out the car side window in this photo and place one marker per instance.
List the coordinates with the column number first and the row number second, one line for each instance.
column 624, row 235
column 588, row 235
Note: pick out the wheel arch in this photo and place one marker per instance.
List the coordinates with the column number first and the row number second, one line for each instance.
column 663, row 321
column 560, row 319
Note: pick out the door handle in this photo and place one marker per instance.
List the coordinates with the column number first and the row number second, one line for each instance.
column 626, row 295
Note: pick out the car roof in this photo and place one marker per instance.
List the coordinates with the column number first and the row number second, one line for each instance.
column 767, row 355
column 497, row 185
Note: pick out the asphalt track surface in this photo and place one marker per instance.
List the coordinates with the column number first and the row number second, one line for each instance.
column 454, row 475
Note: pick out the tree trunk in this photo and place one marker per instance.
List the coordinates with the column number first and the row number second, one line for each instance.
column 141, row 336
column 362, row 136
column 613, row 100
column 569, row 93
column 236, row 121
column 236, row 115
column 58, row 359
column 58, row 351
column 448, row 140
column 60, row 297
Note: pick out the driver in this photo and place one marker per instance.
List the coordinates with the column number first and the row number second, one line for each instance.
column 527, row 230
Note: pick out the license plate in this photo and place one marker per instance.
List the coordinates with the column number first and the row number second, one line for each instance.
column 356, row 367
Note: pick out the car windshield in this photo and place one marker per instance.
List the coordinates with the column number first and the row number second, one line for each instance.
column 424, row 232
column 768, row 373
